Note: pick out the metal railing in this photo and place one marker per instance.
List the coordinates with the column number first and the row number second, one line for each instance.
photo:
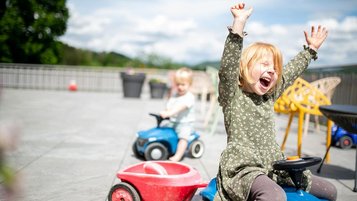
column 24, row 76
column 56, row 77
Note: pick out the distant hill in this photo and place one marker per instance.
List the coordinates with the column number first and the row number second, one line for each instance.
column 203, row 65
column 82, row 57
column 344, row 69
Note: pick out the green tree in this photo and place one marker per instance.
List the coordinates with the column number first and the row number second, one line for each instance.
column 30, row 29
column 153, row 60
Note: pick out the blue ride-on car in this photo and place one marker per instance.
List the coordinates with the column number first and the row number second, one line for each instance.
column 295, row 169
column 342, row 138
column 160, row 143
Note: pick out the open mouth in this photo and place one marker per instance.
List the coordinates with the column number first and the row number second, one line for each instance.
column 265, row 81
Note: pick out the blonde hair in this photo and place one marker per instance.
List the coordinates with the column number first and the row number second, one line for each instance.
column 252, row 54
column 183, row 74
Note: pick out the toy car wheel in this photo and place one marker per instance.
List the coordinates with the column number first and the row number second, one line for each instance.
column 346, row 142
column 123, row 192
column 196, row 149
column 156, row 151
column 135, row 150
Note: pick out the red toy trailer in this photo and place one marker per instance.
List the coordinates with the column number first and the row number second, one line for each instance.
column 159, row 180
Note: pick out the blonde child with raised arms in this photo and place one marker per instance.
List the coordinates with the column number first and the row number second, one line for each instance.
column 250, row 82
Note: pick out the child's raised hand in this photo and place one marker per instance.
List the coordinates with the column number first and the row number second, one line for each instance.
column 315, row 40
column 240, row 13
column 240, row 16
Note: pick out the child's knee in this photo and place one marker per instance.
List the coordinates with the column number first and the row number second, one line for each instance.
column 271, row 193
column 263, row 188
column 322, row 188
column 279, row 193
column 184, row 131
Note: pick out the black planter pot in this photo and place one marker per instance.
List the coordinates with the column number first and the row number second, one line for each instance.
column 132, row 84
column 157, row 90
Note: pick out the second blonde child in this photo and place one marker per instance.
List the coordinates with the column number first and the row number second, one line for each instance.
column 180, row 110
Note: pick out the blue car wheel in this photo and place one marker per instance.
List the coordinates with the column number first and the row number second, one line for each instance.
column 196, row 149
column 135, row 151
column 156, row 151
column 345, row 142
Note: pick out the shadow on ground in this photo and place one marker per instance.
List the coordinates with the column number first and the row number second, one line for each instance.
column 333, row 172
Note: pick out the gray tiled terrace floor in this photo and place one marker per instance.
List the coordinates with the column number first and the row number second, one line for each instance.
column 72, row 144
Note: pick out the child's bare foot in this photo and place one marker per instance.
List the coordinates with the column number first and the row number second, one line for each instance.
column 174, row 159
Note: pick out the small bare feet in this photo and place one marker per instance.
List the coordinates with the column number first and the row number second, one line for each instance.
column 174, row 159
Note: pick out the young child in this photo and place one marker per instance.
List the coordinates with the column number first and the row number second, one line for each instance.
column 180, row 110
column 250, row 83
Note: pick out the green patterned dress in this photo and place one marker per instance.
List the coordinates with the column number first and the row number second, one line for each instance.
column 250, row 126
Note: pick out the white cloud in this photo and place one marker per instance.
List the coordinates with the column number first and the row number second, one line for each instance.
column 192, row 32
column 86, row 25
column 165, row 25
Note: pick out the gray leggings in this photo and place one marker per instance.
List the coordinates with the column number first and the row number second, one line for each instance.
column 265, row 189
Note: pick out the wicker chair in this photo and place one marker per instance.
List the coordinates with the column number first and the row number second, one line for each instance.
column 327, row 86
column 214, row 112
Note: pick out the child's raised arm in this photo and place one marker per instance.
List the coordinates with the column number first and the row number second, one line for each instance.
column 315, row 40
column 240, row 16
column 295, row 67
column 173, row 111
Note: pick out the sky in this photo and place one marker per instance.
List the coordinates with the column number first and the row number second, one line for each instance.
column 194, row 31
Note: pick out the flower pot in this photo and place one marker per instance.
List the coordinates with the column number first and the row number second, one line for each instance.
column 132, row 84
column 157, row 89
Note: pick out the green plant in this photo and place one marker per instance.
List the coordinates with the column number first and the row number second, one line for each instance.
column 156, row 80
